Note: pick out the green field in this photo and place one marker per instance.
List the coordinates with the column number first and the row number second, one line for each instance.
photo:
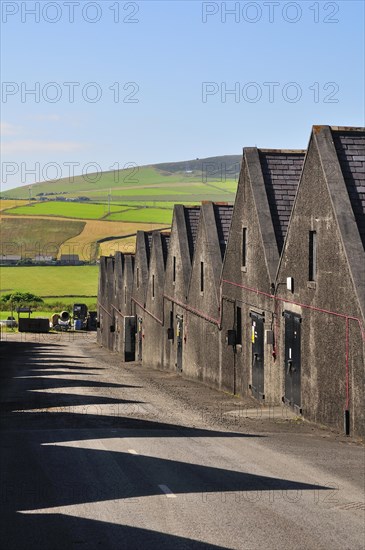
column 52, row 281
column 78, row 210
column 144, row 215
column 152, row 204
column 30, row 237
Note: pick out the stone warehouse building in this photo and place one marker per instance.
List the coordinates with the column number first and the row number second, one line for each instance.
column 266, row 298
column 202, row 312
column 266, row 189
column 116, row 324
column 176, row 284
column 322, row 350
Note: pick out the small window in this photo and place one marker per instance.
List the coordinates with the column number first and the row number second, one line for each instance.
column 153, row 286
column 172, row 318
column 125, row 295
column 244, row 246
column 238, row 325
column 137, row 277
column 174, row 269
column 201, row 276
column 312, row 255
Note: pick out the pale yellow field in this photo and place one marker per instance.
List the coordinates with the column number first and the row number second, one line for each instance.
column 127, row 245
column 85, row 243
column 5, row 203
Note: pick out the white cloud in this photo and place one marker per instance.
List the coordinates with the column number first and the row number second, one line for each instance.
column 32, row 146
column 8, row 129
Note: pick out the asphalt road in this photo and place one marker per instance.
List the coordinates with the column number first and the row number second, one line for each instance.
column 96, row 454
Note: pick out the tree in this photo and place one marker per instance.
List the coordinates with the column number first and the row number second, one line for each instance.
column 20, row 299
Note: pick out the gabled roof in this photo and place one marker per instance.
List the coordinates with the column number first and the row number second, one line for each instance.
column 192, row 221
column 350, row 149
column 342, row 166
column 102, row 280
column 281, row 171
column 118, row 272
column 223, row 217
column 148, row 241
column 273, row 176
column 128, row 268
column 165, row 239
column 110, row 290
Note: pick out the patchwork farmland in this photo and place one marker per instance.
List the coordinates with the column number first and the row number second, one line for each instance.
column 98, row 214
column 76, row 217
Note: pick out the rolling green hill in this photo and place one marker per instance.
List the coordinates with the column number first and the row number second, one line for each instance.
column 213, row 178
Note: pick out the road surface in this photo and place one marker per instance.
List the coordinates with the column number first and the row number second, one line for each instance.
column 100, row 455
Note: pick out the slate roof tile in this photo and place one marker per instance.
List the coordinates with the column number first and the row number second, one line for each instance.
column 148, row 241
column 350, row 148
column 192, row 215
column 223, row 218
column 165, row 240
column 281, row 172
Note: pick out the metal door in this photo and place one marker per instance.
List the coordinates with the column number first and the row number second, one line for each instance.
column 117, row 333
column 292, row 359
column 179, row 341
column 129, row 338
column 139, row 337
column 257, row 339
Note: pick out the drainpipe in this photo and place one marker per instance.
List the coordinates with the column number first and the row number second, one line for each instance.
column 346, row 418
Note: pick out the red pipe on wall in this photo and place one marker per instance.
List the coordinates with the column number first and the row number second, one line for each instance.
column 321, row 310
column 196, row 311
column 347, row 366
column 276, row 299
column 146, row 310
column 106, row 311
column 329, row 312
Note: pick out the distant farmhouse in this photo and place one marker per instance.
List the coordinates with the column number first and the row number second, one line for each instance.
column 266, row 298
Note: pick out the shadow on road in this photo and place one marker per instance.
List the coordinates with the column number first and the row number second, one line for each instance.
column 45, row 465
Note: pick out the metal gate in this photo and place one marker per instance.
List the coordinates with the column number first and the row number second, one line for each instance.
column 139, row 337
column 292, row 359
column 257, row 339
column 179, row 341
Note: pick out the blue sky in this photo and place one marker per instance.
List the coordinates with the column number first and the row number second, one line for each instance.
column 151, row 80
